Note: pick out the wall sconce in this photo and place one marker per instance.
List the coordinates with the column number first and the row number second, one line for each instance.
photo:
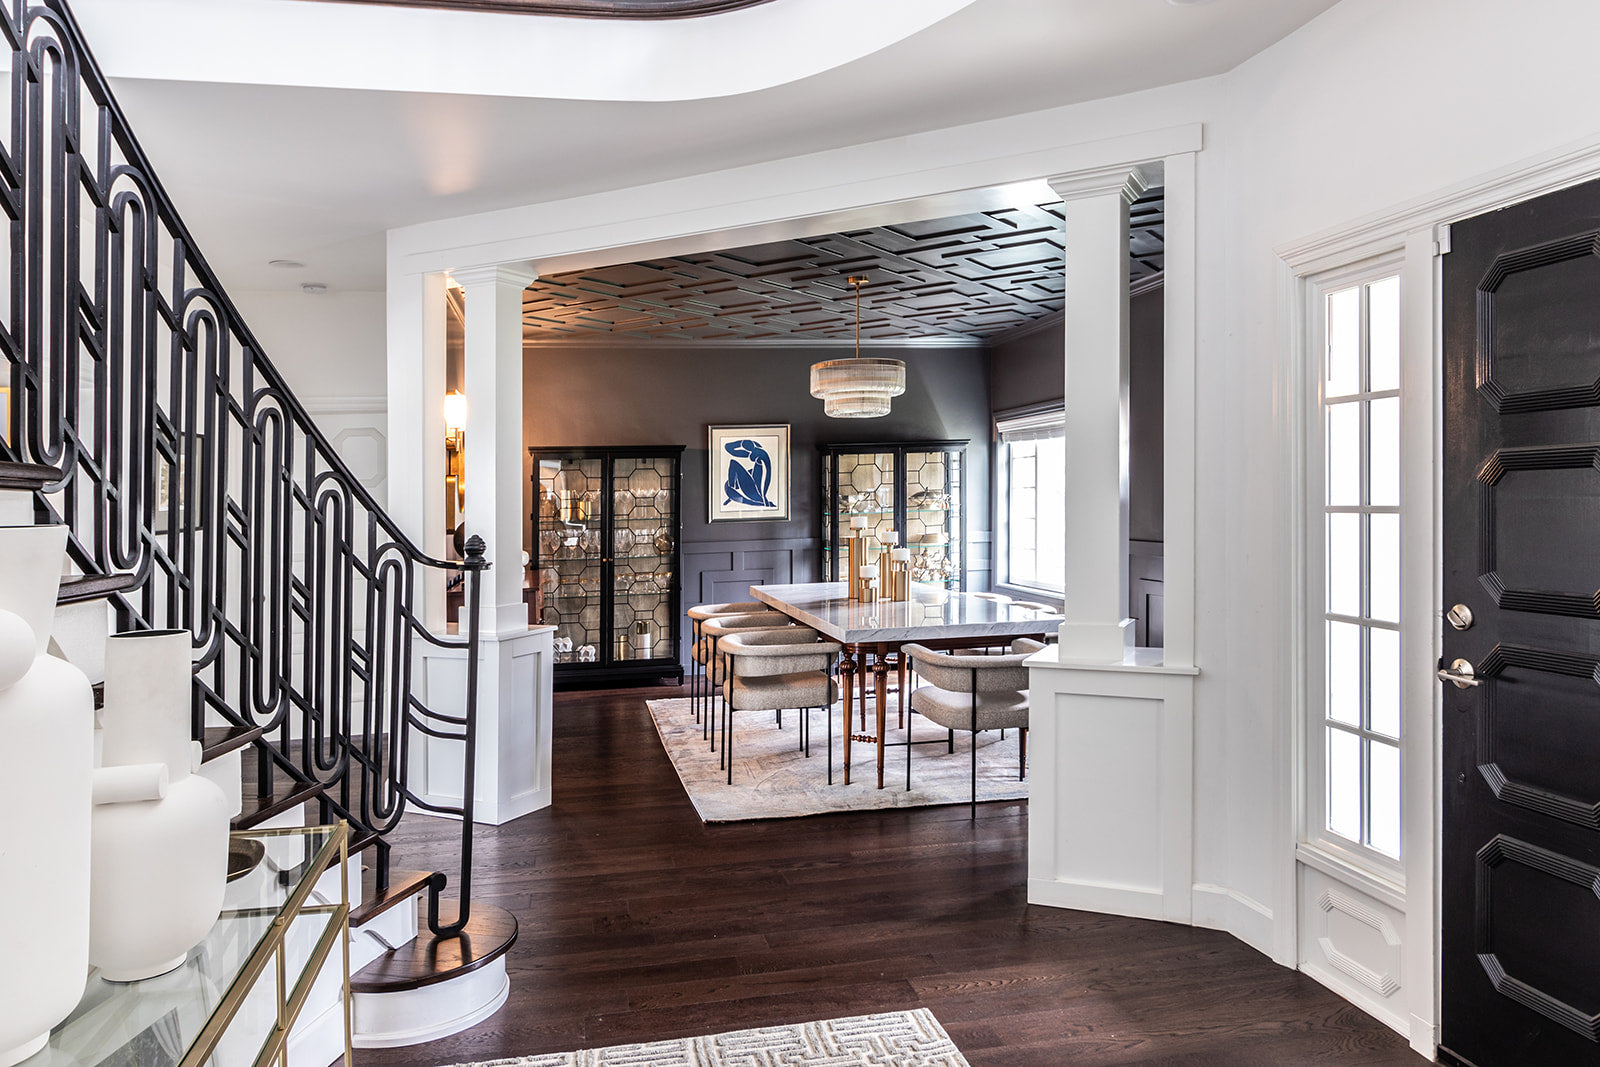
column 455, row 423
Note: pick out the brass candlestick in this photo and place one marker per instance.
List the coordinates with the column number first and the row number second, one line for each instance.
column 852, row 574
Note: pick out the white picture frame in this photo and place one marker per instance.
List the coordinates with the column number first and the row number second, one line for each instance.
column 748, row 473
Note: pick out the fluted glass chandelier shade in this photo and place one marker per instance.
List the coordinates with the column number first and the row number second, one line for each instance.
column 857, row 388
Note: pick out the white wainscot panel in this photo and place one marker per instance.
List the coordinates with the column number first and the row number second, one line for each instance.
column 1111, row 804
column 514, row 725
column 1351, row 942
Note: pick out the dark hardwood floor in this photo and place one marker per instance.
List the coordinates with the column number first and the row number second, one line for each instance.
column 640, row 923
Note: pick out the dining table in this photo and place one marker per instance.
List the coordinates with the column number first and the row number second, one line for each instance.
column 871, row 634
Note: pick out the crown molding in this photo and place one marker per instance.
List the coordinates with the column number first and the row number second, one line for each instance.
column 1131, row 181
column 521, row 275
column 1056, row 320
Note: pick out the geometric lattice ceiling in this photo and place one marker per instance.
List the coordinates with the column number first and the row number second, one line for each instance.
column 971, row 276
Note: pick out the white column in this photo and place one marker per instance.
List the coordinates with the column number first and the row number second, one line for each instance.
column 495, row 461
column 514, row 659
column 1097, row 629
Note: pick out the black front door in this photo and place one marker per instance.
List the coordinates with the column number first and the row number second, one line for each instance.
column 1521, row 864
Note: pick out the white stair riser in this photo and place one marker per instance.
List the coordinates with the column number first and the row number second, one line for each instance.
column 412, row 1016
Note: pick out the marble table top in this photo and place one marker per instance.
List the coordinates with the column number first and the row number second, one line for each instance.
column 932, row 613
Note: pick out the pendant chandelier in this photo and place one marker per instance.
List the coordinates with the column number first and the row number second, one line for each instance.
column 857, row 388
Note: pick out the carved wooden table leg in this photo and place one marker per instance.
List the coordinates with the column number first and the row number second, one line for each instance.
column 847, row 669
column 880, row 690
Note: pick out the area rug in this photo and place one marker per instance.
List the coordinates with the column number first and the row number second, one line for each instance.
column 891, row 1039
column 772, row 779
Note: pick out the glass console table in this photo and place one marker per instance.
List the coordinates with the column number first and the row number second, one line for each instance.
column 234, row 1000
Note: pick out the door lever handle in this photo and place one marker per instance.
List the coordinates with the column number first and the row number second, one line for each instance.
column 1459, row 674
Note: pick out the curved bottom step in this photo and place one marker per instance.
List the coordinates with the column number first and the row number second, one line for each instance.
column 433, row 987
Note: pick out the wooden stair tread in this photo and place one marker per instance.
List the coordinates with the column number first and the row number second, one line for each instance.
column 76, row 590
column 27, row 476
column 220, row 740
column 257, row 809
column 403, row 886
column 489, row 934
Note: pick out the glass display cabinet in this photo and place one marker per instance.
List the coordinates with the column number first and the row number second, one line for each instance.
column 607, row 563
column 915, row 488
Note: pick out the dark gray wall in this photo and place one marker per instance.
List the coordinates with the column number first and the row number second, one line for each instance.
column 1028, row 370
column 593, row 394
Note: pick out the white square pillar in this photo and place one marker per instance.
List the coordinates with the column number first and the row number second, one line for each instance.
column 495, row 460
column 1097, row 629
column 513, row 768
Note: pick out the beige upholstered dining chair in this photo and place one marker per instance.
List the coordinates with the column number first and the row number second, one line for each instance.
column 706, row 652
column 770, row 670
column 697, row 616
column 973, row 692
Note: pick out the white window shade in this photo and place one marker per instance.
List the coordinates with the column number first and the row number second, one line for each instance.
column 1032, row 426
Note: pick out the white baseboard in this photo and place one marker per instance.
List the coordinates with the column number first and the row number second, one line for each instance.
column 1424, row 1037
column 1361, row 998
column 1217, row 907
column 1090, row 896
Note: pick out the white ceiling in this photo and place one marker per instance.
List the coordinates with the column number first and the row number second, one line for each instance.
column 317, row 175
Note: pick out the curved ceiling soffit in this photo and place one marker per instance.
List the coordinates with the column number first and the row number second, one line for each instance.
column 427, row 50
column 584, row 9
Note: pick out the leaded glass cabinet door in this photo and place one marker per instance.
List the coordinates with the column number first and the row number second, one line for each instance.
column 568, row 557
column 916, row 489
column 864, row 486
column 935, row 524
column 607, row 559
column 644, row 552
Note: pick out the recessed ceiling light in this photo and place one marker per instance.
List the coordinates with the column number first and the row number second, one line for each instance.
column 286, row 264
column 314, row 288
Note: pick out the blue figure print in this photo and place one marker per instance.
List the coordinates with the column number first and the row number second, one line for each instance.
column 748, row 485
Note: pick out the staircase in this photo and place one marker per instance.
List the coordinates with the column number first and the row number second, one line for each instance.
column 137, row 408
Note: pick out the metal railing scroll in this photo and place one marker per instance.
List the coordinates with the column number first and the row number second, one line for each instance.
column 188, row 466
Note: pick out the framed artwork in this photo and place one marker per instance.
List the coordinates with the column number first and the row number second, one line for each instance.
column 749, row 468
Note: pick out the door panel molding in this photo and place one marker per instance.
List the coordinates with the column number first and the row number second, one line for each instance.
column 1499, row 851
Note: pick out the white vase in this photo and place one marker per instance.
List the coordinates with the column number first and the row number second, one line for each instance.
column 46, row 764
column 160, row 837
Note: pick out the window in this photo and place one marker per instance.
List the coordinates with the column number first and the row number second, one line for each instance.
column 1032, row 491
column 1356, row 723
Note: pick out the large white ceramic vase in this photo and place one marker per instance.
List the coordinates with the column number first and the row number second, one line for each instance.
column 46, row 763
column 160, row 831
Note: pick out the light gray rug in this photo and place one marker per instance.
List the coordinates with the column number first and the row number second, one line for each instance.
column 891, row 1039
column 773, row 780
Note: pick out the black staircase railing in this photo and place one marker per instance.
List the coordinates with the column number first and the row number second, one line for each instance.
column 187, row 465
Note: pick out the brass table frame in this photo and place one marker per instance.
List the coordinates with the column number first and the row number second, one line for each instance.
column 271, row 947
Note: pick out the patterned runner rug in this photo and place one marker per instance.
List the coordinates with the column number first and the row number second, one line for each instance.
column 891, row 1039
column 772, row 779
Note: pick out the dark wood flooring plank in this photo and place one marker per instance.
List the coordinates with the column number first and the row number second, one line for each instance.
column 640, row 923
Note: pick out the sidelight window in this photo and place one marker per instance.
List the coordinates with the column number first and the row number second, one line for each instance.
column 1356, row 724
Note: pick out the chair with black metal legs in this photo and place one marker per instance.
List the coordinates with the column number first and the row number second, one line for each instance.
column 712, row 631
column 769, row 670
column 698, row 615
column 973, row 693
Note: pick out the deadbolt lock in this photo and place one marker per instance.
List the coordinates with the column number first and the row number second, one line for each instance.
column 1460, row 617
